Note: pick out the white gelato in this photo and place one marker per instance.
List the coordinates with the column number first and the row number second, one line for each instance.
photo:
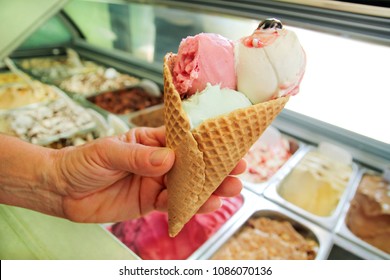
column 212, row 102
column 274, row 59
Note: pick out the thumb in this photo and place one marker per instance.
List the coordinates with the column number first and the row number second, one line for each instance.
column 140, row 159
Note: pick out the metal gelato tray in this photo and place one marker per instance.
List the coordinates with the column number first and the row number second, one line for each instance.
column 109, row 124
column 248, row 200
column 328, row 222
column 256, row 206
column 9, row 78
column 150, row 117
column 149, row 86
column 297, row 152
column 353, row 248
column 45, row 71
column 41, row 97
column 55, row 67
column 91, row 124
column 366, row 250
column 62, row 66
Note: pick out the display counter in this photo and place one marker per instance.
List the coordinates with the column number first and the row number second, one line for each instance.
column 28, row 235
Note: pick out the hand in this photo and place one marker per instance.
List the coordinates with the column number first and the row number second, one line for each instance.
column 122, row 177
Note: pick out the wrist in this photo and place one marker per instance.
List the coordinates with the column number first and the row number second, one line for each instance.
column 26, row 176
column 51, row 174
column 53, row 183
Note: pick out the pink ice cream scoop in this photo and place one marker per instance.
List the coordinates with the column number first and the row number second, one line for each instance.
column 148, row 236
column 204, row 58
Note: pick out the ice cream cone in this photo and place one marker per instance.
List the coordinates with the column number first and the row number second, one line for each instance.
column 208, row 153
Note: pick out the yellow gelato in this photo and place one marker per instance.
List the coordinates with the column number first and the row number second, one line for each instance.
column 19, row 95
column 316, row 183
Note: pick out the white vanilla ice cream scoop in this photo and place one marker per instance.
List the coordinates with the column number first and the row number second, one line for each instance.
column 270, row 63
column 212, row 102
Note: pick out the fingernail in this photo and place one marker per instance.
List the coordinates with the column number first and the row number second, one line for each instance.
column 159, row 156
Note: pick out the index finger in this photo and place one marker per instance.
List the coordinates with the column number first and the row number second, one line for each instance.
column 240, row 168
column 148, row 136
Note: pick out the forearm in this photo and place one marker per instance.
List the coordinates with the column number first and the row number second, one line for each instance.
column 27, row 176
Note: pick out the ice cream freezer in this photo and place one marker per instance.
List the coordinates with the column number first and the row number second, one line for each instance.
column 317, row 183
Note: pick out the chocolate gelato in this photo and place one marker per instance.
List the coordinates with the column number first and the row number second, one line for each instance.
column 125, row 101
column 369, row 214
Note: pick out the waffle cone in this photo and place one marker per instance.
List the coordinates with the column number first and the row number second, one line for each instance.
column 208, row 153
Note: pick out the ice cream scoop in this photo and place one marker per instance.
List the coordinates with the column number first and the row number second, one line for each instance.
column 201, row 59
column 212, row 102
column 269, row 63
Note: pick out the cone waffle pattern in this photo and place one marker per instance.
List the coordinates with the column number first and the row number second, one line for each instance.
column 207, row 154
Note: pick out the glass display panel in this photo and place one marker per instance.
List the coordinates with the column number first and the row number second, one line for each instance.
column 345, row 83
column 51, row 33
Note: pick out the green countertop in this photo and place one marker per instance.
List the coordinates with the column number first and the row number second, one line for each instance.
column 29, row 235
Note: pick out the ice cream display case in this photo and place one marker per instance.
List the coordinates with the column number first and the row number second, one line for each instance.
column 317, row 184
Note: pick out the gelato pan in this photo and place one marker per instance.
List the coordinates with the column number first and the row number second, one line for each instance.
column 262, row 238
column 57, row 74
column 23, row 94
column 9, row 78
column 148, row 236
column 46, row 124
column 317, row 183
column 104, row 127
column 102, row 80
column 70, row 60
column 267, row 156
column 264, row 230
column 368, row 216
column 152, row 118
column 54, row 69
column 125, row 101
